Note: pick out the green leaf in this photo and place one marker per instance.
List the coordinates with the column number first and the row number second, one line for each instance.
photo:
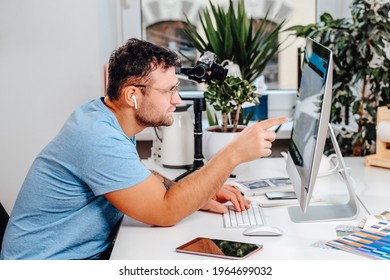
column 232, row 37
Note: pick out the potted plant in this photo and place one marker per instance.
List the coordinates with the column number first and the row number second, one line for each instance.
column 230, row 34
column 227, row 97
column 361, row 48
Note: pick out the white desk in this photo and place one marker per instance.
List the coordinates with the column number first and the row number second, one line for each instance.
column 138, row 241
column 375, row 185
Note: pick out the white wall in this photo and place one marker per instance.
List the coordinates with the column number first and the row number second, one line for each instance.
column 337, row 8
column 303, row 14
column 52, row 54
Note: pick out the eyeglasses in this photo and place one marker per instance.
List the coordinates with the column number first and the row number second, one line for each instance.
column 170, row 91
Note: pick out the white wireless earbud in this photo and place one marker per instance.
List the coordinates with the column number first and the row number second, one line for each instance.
column 134, row 101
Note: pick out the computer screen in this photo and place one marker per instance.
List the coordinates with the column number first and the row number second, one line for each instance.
column 311, row 124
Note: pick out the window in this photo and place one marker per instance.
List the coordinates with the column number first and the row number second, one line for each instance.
column 163, row 21
column 170, row 34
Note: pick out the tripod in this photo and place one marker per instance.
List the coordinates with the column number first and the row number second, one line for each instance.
column 199, row 106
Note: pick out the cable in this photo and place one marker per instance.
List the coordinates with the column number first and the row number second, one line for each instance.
column 158, row 137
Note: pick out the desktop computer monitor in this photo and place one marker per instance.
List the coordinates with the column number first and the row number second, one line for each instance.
column 308, row 137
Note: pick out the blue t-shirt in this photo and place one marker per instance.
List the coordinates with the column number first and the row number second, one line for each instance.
column 60, row 212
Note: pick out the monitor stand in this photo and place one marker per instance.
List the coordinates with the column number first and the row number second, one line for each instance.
column 331, row 212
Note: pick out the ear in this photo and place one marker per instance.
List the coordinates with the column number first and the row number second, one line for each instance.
column 130, row 96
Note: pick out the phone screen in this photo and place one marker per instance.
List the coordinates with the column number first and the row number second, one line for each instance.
column 281, row 195
column 219, row 248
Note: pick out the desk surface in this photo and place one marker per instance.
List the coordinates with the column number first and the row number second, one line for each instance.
column 138, row 241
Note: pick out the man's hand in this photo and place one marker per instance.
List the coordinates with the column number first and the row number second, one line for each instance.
column 254, row 142
column 225, row 194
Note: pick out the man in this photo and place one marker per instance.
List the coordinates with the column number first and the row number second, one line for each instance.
column 90, row 174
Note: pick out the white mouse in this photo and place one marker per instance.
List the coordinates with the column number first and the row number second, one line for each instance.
column 263, row 231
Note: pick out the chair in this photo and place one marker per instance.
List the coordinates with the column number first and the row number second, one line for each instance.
column 107, row 253
column 3, row 222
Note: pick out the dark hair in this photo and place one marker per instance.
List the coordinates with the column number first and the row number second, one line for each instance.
column 133, row 62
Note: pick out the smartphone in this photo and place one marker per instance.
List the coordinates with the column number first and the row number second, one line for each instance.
column 219, row 248
column 280, row 195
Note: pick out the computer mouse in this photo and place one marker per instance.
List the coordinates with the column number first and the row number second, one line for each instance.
column 262, row 231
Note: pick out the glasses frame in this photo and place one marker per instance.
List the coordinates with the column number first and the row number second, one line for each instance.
column 172, row 91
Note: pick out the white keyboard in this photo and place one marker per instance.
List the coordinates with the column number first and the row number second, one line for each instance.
column 251, row 217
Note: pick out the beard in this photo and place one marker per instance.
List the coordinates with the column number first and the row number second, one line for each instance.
column 151, row 119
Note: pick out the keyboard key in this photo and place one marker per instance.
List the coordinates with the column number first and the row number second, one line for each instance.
column 252, row 218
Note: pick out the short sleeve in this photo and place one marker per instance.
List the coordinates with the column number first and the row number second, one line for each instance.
column 113, row 163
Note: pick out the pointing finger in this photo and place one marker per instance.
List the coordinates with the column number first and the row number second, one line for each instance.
column 272, row 122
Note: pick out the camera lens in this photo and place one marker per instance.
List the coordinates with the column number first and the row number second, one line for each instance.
column 205, row 70
column 199, row 71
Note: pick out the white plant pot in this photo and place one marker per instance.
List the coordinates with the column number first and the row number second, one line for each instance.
column 214, row 141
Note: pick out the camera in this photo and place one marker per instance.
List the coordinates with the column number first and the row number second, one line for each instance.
column 205, row 70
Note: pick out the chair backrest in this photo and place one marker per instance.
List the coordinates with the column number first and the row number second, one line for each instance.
column 3, row 222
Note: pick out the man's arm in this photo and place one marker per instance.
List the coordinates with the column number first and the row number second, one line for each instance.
column 168, row 183
column 150, row 201
column 226, row 193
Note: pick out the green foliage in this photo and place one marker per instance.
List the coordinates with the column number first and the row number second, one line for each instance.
column 230, row 35
column 228, row 96
column 360, row 46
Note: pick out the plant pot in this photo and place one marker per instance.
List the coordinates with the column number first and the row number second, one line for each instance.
column 214, row 140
